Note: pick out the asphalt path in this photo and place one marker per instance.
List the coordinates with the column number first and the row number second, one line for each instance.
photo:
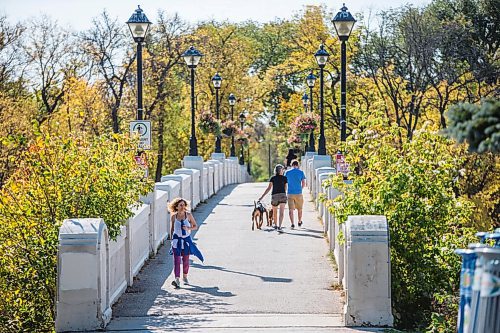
column 260, row 280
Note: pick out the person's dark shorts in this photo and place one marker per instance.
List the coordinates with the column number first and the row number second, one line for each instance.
column 278, row 198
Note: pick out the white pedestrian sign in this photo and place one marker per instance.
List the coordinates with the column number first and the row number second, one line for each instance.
column 143, row 128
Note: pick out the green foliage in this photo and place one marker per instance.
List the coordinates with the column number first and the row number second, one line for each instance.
column 57, row 178
column 413, row 187
column 478, row 125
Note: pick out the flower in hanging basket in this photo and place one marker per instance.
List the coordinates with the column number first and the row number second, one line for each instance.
column 229, row 128
column 207, row 123
column 294, row 139
column 305, row 122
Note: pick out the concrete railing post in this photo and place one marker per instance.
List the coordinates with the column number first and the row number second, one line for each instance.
column 83, row 300
column 221, row 157
column 367, row 272
column 321, row 174
column 217, row 174
column 318, row 161
column 184, row 182
column 195, row 185
column 195, row 162
column 208, row 169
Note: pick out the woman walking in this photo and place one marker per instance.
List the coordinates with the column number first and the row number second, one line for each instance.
column 289, row 158
column 182, row 223
column 278, row 183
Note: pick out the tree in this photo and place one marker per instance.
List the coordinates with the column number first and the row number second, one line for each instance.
column 164, row 52
column 108, row 50
column 479, row 126
column 49, row 51
column 15, row 102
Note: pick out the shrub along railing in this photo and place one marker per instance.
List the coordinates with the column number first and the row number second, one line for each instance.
column 361, row 250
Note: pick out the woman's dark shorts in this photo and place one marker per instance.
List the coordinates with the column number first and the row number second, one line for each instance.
column 278, row 198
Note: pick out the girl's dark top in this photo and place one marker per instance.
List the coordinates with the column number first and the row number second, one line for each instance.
column 279, row 182
column 290, row 158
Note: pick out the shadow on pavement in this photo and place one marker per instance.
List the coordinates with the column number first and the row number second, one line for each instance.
column 214, row 291
column 263, row 278
column 294, row 233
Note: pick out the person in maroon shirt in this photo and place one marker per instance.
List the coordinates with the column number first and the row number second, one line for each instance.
column 278, row 184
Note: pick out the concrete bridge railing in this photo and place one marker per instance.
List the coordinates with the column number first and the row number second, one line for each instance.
column 361, row 250
column 94, row 271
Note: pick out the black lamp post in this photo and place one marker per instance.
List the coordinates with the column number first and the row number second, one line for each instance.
column 311, row 80
column 305, row 101
column 217, row 82
column 139, row 24
column 242, row 118
column 343, row 22
column 248, row 160
column 232, row 103
column 192, row 57
column 321, row 58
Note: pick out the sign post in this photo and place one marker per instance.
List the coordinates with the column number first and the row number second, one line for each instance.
column 143, row 128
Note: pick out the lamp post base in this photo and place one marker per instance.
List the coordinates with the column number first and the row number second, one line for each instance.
column 232, row 150
column 193, row 146
column 218, row 156
column 218, row 148
column 321, row 145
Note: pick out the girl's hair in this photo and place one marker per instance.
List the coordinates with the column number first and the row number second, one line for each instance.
column 277, row 169
column 173, row 205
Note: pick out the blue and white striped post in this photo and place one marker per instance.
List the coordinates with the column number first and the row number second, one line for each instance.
column 466, row 278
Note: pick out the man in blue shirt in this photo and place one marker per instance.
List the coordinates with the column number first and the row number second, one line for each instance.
column 296, row 181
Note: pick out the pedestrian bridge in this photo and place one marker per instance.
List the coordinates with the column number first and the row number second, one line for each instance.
column 250, row 281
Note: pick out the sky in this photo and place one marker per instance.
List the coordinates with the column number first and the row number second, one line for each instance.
column 78, row 14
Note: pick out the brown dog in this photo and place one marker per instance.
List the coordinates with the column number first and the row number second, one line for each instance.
column 271, row 217
column 258, row 215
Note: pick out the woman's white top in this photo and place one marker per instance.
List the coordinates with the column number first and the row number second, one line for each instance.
column 178, row 229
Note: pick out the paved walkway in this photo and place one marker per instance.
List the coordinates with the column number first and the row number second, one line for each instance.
column 251, row 281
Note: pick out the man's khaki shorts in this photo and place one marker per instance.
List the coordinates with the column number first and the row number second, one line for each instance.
column 295, row 201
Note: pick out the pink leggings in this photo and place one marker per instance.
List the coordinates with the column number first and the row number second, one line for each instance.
column 177, row 265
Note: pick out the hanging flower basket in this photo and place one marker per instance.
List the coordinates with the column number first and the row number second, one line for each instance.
column 229, row 128
column 207, row 123
column 305, row 123
column 242, row 141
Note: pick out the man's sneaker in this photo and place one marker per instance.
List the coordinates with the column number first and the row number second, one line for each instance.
column 280, row 229
column 293, row 226
column 275, row 226
column 176, row 283
column 185, row 280
column 300, row 224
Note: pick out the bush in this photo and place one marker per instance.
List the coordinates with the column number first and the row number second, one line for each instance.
column 413, row 186
column 57, row 178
